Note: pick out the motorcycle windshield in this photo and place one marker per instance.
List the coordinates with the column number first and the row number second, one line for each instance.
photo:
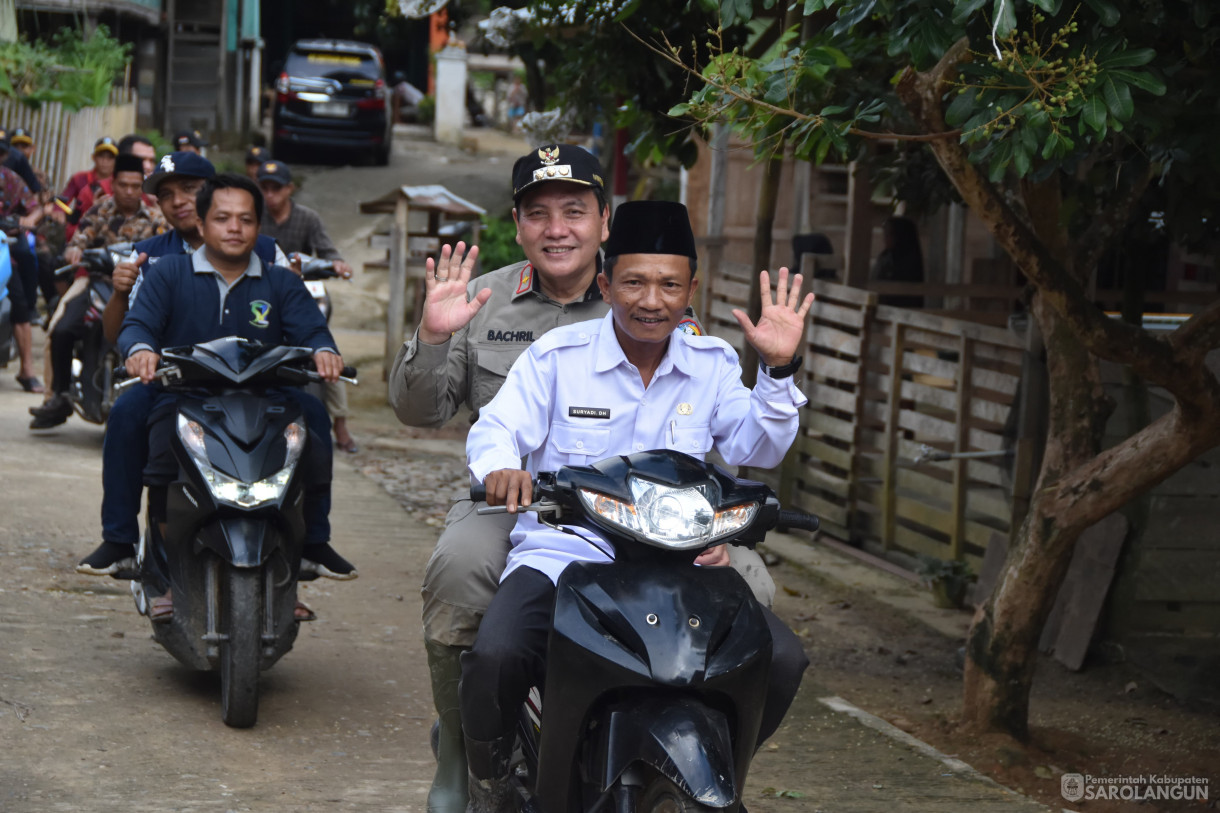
column 234, row 358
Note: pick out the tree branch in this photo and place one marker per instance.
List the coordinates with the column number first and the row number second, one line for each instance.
column 1190, row 382
column 667, row 53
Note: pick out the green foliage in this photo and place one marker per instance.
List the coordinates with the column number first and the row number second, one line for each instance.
column 498, row 243
column 597, row 70
column 1048, row 87
column 75, row 70
column 425, row 111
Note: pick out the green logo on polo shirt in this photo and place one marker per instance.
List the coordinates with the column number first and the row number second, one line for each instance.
column 259, row 309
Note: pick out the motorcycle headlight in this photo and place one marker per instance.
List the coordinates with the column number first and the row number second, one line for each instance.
column 236, row 492
column 678, row 518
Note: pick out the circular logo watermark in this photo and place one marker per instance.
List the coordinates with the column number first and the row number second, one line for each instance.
column 1071, row 786
column 1074, row 787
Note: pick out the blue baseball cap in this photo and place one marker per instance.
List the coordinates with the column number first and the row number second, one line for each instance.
column 185, row 164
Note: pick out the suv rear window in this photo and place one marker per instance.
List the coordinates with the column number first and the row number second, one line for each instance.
column 341, row 65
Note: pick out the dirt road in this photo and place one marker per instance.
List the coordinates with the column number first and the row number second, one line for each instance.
column 94, row 716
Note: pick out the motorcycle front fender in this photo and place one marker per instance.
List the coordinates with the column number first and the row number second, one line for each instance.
column 683, row 739
column 240, row 541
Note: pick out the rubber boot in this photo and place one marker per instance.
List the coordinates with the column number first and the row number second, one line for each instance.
column 491, row 790
column 448, row 792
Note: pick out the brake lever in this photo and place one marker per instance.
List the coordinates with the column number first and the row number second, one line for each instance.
column 169, row 374
column 540, row 507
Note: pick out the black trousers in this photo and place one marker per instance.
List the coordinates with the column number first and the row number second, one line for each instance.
column 509, row 657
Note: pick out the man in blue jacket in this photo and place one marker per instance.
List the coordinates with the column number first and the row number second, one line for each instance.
column 225, row 289
column 175, row 184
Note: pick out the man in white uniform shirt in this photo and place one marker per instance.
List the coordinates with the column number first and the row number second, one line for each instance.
column 625, row 383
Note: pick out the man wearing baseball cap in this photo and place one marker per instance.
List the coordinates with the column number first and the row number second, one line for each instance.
column 122, row 217
column 175, row 183
column 21, row 139
column 17, row 162
column 470, row 333
column 255, row 157
column 298, row 229
column 105, row 150
column 190, row 141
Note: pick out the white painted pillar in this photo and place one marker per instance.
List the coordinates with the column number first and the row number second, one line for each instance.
column 450, row 94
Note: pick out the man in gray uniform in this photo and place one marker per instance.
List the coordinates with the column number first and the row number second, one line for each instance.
column 470, row 334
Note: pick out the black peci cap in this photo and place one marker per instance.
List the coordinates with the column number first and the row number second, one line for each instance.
column 129, row 163
column 556, row 162
column 651, row 227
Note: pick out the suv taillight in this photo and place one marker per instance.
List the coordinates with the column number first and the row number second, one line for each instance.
column 375, row 103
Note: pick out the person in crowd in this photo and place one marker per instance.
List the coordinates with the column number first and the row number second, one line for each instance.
column 517, row 98
column 23, row 142
column 17, row 162
column 628, row 382
column 210, row 294
column 298, row 229
column 190, row 141
column 123, row 217
column 175, row 185
column 95, row 180
column 404, row 98
column 470, row 334
column 255, row 157
column 20, row 208
column 140, row 146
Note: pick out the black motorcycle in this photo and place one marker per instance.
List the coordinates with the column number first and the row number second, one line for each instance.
column 93, row 358
column 656, row 668
column 231, row 552
column 315, row 271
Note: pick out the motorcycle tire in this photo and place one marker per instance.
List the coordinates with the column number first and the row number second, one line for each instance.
column 663, row 796
column 241, row 653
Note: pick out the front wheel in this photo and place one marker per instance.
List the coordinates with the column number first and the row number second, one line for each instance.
column 663, row 796
column 240, row 654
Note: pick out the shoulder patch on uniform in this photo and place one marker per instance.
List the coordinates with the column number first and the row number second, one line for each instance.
column 527, row 279
column 690, row 327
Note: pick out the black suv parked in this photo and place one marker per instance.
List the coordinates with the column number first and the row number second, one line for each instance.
column 332, row 94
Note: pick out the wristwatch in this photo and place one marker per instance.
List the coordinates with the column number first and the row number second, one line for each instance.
column 783, row 371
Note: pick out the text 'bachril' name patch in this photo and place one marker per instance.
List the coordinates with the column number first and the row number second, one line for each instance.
column 588, row 412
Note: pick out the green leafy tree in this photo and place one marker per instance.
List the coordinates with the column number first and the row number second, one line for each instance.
column 1065, row 127
column 76, row 70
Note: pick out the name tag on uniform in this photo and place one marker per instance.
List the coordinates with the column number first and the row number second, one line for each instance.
column 588, row 412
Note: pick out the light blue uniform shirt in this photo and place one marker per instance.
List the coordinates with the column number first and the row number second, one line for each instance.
column 573, row 398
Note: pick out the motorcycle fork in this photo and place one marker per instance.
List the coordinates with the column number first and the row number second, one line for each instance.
column 214, row 637
column 211, row 585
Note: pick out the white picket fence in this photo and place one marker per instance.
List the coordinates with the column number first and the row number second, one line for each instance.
column 63, row 140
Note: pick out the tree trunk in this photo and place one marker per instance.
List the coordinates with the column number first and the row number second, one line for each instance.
column 1002, row 644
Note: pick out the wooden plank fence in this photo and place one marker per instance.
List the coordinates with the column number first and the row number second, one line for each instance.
column 886, row 386
column 63, row 140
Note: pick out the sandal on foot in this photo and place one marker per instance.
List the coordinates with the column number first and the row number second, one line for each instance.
column 31, row 384
column 302, row 613
column 161, row 609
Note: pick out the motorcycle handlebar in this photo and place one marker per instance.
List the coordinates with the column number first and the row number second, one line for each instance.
column 797, row 519
column 294, row 374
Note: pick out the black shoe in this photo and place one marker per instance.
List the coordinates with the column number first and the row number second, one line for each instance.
column 323, row 560
column 108, row 559
column 52, row 413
